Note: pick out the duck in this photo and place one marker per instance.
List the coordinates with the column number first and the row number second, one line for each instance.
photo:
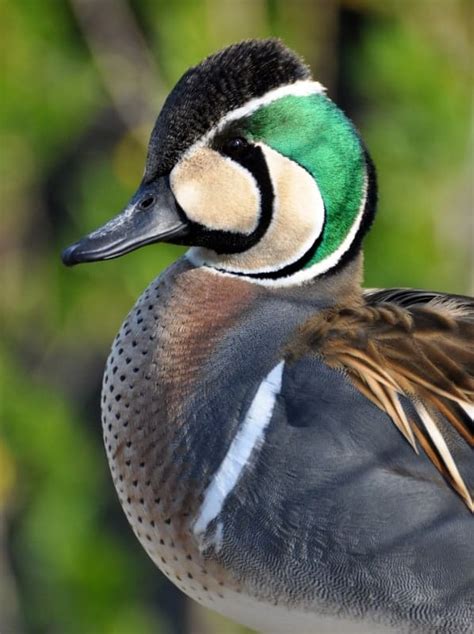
column 292, row 450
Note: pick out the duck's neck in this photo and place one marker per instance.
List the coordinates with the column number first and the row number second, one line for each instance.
column 208, row 321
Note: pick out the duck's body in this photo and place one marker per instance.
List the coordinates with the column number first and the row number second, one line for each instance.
column 331, row 508
column 248, row 417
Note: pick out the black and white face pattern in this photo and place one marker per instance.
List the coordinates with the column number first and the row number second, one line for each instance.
column 233, row 139
column 259, row 210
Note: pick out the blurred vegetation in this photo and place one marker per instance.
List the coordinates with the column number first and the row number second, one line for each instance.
column 81, row 82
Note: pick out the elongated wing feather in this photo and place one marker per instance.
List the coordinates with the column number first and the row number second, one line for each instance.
column 412, row 344
column 409, row 297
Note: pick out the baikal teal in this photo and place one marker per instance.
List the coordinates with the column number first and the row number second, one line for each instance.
column 292, row 450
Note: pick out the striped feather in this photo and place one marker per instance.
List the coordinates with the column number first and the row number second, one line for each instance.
column 414, row 344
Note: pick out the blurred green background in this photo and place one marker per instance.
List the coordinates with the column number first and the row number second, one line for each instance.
column 81, row 83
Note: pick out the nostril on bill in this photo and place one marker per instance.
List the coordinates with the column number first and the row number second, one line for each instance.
column 146, row 202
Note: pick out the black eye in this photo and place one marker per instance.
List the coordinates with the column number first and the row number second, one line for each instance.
column 235, row 144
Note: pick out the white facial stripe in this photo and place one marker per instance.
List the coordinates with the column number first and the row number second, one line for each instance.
column 216, row 192
column 300, row 88
column 247, row 440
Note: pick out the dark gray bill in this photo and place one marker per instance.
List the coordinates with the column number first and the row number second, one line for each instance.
column 151, row 216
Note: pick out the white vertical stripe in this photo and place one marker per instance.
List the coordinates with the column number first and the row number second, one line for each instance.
column 248, row 438
column 300, row 88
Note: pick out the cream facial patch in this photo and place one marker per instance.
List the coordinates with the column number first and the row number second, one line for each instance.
column 216, row 192
column 298, row 219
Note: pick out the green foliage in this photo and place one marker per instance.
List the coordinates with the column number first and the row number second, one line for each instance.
column 67, row 561
column 416, row 128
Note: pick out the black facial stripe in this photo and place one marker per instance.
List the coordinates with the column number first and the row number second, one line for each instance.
column 227, row 242
column 367, row 218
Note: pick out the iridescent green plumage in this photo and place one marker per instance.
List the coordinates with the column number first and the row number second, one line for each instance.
column 315, row 133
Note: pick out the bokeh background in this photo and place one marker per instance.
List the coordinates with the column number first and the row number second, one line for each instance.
column 81, row 83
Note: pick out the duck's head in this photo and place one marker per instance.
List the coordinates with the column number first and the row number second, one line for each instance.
column 254, row 167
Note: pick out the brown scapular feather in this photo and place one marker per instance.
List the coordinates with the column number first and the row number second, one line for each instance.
column 414, row 344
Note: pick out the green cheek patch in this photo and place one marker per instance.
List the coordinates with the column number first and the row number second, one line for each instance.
column 314, row 133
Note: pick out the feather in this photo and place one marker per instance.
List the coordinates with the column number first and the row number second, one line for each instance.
column 444, row 453
column 415, row 344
